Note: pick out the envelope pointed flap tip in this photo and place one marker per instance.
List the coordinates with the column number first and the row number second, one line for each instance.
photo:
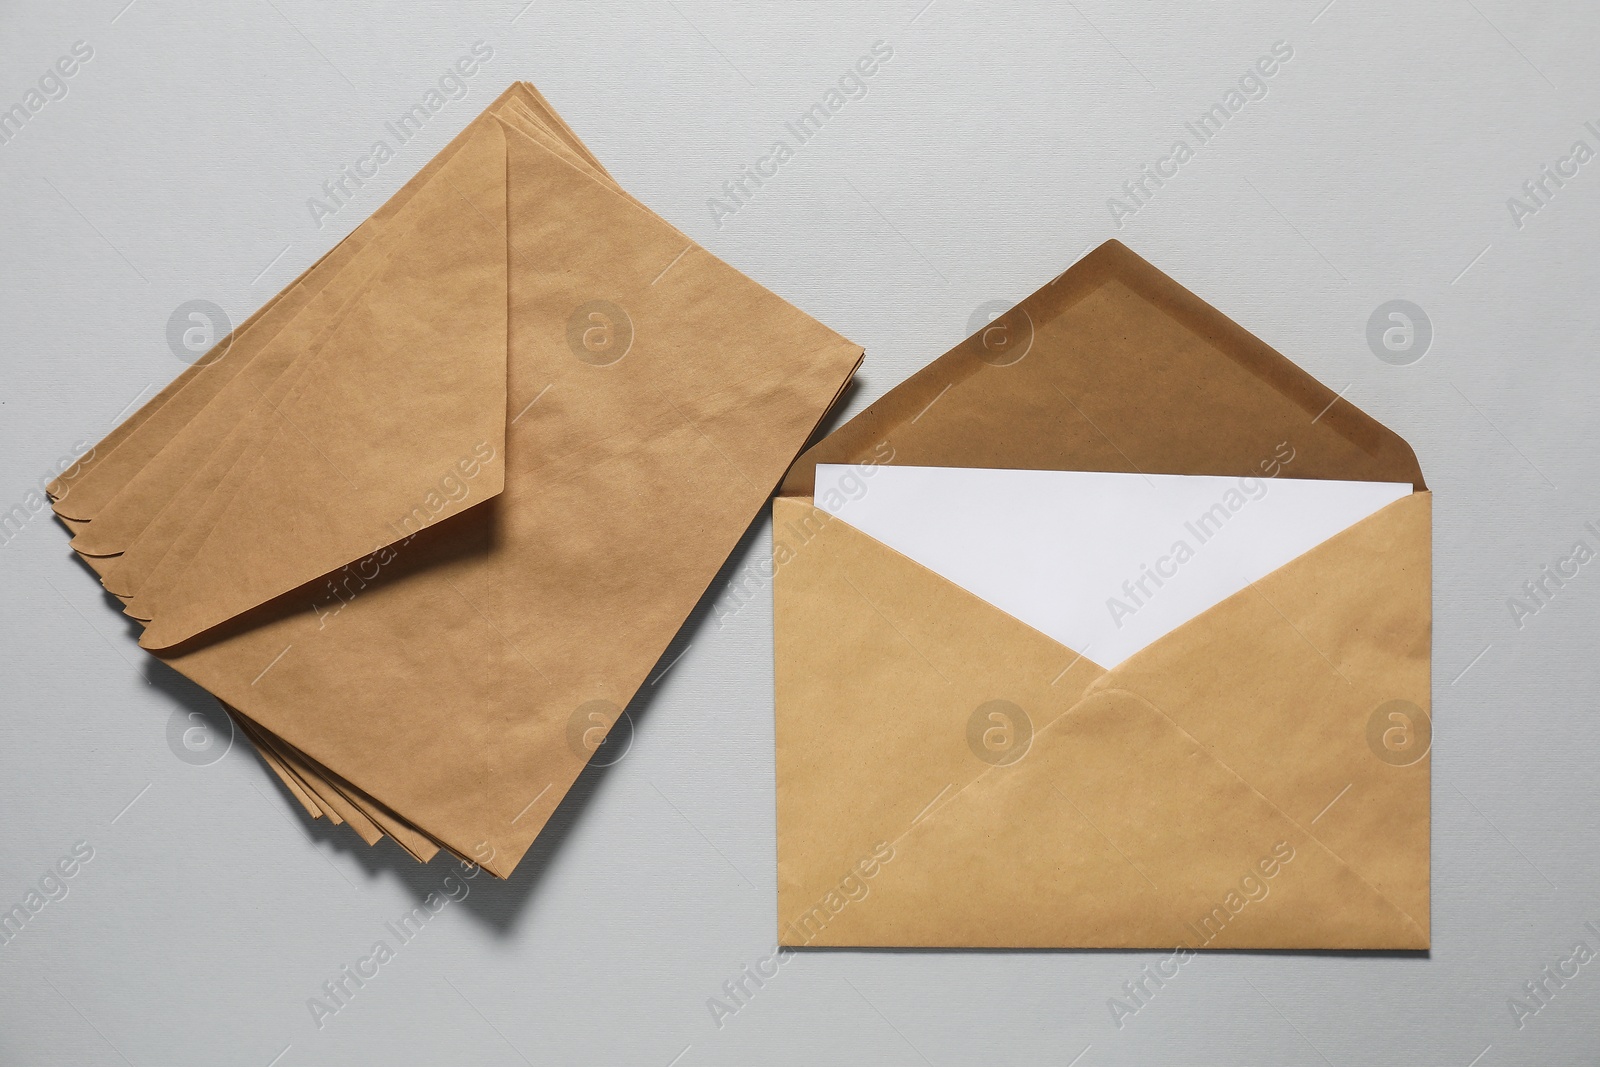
column 1113, row 366
column 403, row 425
column 1104, row 563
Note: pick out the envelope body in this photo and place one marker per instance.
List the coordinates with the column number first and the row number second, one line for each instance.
column 948, row 776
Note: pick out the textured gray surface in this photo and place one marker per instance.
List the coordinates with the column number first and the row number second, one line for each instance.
column 980, row 162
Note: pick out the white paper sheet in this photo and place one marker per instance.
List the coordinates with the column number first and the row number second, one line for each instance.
column 1103, row 563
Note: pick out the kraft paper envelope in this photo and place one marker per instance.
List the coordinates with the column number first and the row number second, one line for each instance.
column 1255, row 778
column 474, row 471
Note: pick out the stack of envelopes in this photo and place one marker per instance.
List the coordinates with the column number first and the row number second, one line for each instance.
column 428, row 519
column 1108, row 628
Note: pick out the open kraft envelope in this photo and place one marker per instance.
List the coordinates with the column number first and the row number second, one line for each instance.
column 416, row 530
column 1256, row 777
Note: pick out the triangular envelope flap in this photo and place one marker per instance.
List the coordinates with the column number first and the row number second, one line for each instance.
column 404, row 427
column 162, row 494
column 1113, row 366
column 219, row 448
column 147, row 433
column 1333, row 652
column 1115, row 831
column 895, row 690
column 1104, row 563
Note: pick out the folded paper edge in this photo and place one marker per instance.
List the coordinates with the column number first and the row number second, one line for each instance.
column 1112, row 261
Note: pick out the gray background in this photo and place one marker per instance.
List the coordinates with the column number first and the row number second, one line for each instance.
column 979, row 165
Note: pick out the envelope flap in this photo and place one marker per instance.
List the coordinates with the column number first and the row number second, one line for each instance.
column 1113, row 366
column 158, row 449
column 401, row 423
column 1313, row 685
column 887, row 707
column 1116, row 831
